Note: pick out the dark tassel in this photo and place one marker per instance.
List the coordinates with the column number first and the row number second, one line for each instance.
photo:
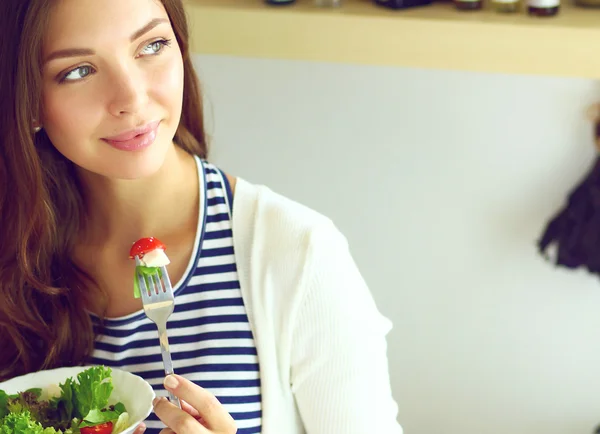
column 576, row 228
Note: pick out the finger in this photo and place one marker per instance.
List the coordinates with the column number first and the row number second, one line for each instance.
column 209, row 407
column 192, row 412
column 140, row 429
column 177, row 419
column 189, row 409
column 167, row 431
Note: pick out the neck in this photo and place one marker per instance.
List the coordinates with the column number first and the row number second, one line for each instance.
column 119, row 212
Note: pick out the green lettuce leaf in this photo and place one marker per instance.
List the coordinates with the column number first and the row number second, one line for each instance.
column 92, row 390
column 29, row 401
column 3, row 404
column 64, row 405
column 136, row 286
column 36, row 391
column 146, row 272
column 97, row 417
column 121, row 424
column 23, row 423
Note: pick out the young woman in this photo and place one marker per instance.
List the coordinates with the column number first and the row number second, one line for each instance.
column 102, row 143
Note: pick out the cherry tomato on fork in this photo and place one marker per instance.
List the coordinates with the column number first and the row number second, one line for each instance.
column 145, row 245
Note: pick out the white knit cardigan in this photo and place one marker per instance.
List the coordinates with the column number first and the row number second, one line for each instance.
column 320, row 338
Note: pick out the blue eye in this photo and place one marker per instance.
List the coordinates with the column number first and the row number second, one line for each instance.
column 81, row 72
column 155, row 47
column 78, row 73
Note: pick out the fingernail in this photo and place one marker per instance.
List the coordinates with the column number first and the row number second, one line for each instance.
column 171, row 382
column 156, row 401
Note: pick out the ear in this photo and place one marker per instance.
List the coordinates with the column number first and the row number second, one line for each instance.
column 37, row 126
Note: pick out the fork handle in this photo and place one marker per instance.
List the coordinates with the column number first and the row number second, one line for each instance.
column 166, row 356
column 174, row 399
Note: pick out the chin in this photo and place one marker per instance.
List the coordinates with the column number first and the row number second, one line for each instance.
column 133, row 172
column 123, row 165
column 136, row 165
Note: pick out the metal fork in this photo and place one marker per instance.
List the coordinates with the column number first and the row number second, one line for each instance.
column 159, row 302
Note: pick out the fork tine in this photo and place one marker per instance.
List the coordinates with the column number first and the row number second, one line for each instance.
column 141, row 281
column 166, row 281
column 146, row 292
column 158, row 289
column 156, row 285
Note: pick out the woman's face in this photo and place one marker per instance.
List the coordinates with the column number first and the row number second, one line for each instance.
column 112, row 85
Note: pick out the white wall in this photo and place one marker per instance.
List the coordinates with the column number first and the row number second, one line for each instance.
column 442, row 182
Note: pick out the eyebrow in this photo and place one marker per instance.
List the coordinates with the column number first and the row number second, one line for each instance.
column 77, row 52
column 152, row 24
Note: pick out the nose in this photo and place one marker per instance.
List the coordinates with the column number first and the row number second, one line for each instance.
column 128, row 92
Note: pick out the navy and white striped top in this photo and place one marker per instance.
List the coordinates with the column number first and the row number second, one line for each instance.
column 210, row 337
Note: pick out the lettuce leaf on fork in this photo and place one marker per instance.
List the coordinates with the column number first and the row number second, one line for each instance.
column 147, row 272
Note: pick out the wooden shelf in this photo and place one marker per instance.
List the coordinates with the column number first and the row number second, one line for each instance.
column 436, row 36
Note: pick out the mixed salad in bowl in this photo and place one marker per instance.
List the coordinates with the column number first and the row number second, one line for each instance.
column 84, row 401
column 78, row 405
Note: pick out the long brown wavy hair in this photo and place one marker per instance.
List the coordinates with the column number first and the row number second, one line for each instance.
column 43, row 293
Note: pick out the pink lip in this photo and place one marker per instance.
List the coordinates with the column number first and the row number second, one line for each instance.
column 136, row 139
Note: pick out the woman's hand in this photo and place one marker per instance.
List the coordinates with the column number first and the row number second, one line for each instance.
column 140, row 429
column 201, row 412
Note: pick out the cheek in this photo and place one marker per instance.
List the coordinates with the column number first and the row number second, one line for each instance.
column 167, row 87
column 68, row 117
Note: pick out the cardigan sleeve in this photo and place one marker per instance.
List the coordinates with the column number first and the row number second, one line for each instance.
column 339, row 367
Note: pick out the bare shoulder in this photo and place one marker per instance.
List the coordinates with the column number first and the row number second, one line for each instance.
column 232, row 181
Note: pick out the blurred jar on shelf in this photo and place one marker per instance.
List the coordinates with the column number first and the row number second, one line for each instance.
column 279, row 2
column 588, row 3
column 403, row 4
column 328, row 3
column 543, row 8
column 506, row 6
column 468, row 5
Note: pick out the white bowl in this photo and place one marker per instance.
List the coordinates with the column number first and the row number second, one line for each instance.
column 133, row 391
